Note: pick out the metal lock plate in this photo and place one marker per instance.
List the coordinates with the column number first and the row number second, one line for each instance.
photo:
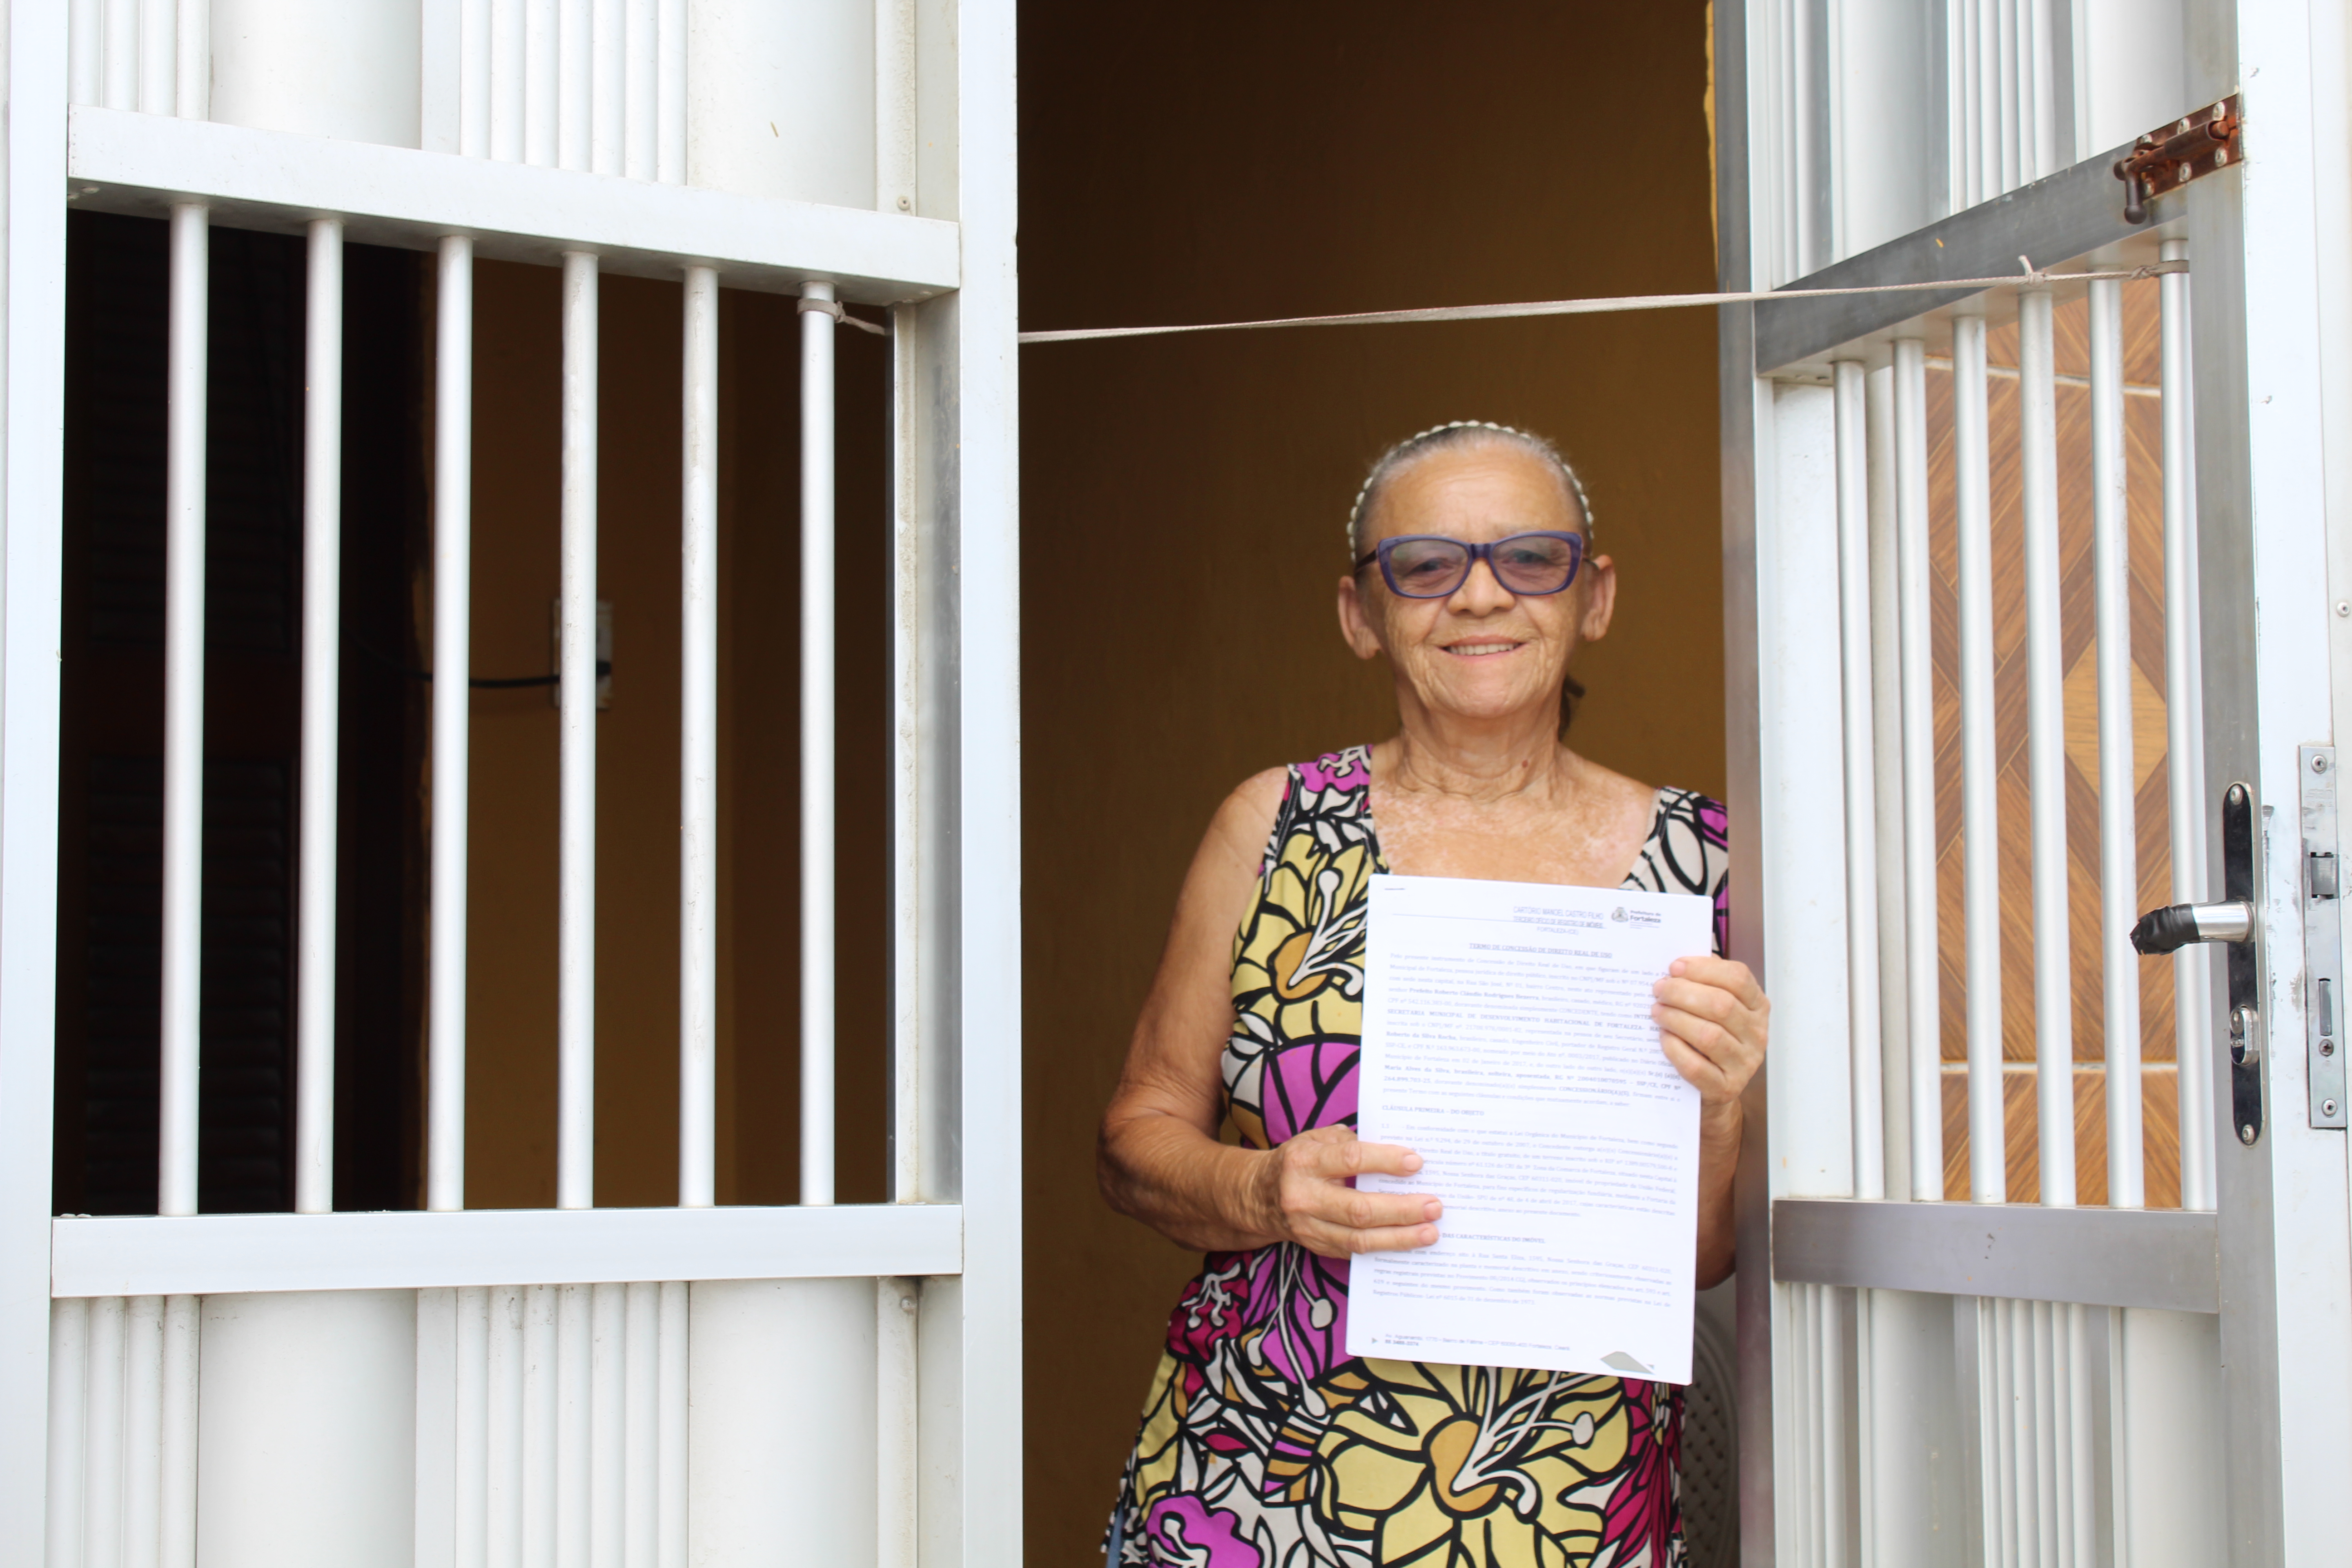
column 2244, row 1015
column 2323, row 953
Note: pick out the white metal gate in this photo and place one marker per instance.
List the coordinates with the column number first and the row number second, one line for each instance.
column 1927, row 1381
column 579, row 1385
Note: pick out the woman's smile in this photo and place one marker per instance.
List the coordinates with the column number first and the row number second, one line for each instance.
column 1484, row 648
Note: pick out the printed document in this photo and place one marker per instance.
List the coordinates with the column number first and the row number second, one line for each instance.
column 1508, row 1040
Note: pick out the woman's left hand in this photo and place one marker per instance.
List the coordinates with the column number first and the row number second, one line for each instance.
column 1714, row 1016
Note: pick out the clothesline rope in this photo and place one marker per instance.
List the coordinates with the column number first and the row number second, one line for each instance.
column 2030, row 277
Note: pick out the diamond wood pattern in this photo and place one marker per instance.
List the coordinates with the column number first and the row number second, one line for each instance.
column 2143, row 446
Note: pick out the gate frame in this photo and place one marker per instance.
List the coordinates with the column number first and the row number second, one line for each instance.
column 2268, row 502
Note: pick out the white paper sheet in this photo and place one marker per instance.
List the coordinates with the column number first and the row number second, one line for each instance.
column 1507, row 1039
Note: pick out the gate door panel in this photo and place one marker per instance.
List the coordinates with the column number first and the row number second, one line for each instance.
column 2045, row 1249
column 656, row 1386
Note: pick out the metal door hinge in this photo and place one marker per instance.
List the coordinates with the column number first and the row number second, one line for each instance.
column 2170, row 156
column 2323, row 957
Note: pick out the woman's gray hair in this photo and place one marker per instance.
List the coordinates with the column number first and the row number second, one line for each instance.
column 1460, row 433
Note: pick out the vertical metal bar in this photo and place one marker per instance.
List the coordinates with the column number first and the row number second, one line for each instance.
column 697, row 1137
column 322, row 582
column 85, row 51
column 541, row 1427
column 2041, row 1535
column 471, row 1449
column 896, row 1304
column 120, row 53
column 605, row 1419
column 816, row 749
column 474, row 77
column 103, row 1436
column 670, row 80
column 2081, row 1439
column 641, row 125
column 176, row 1490
column 69, row 1348
column 505, row 1493
column 2000, row 18
column 1980, row 858
column 2184, row 681
column 1886, row 770
column 894, row 106
column 1997, row 1402
column 576, row 79
column 192, row 36
column 183, row 706
column 1861, row 782
column 641, row 1520
column 453, row 659
column 2119, row 768
column 1922, row 1022
column 2045, row 693
column 911, row 676
column 542, row 114
column 608, row 100
column 671, row 1486
column 509, row 72
column 1831, row 1421
column 143, row 1430
column 576, row 958
column 158, row 57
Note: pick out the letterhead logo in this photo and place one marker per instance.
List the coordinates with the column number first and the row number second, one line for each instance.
column 1618, row 913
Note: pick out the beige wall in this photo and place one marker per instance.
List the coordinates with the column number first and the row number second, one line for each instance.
column 1183, row 498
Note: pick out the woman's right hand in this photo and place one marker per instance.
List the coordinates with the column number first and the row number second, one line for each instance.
column 1303, row 1195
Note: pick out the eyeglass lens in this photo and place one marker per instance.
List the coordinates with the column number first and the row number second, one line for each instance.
column 1428, row 568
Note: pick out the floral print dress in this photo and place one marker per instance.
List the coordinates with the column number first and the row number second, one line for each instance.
column 1264, row 1444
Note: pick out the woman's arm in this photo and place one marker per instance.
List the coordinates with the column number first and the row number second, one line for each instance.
column 1158, row 1159
column 1715, row 1020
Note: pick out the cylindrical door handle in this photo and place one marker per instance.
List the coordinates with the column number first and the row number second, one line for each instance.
column 2175, row 926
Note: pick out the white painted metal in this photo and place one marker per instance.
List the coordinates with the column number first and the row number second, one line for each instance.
column 783, row 99
column 1861, row 752
column 637, row 1490
column 471, row 1380
column 541, row 102
column 784, row 1442
column 503, row 1423
column 102, row 1490
column 576, row 922
column 357, row 1251
column 143, row 1430
column 698, row 1136
column 309, row 1431
column 323, row 582
column 2166, row 1421
column 351, row 70
column 1981, row 863
column 575, row 1435
column 183, row 706
column 2118, row 771
column 2192, row 967
column 543, row 1376
column 817, row 750
column 2053, row 997
column 674, row 1385
column 1922, row 963
column 895, row 114
column 68, row 1467
column 1885, row 670
column 176, row 1436
column 898, row 1303
column 391, row 196
column 453, row 659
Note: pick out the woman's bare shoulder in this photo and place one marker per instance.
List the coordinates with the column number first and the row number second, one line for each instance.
column 1245, row 818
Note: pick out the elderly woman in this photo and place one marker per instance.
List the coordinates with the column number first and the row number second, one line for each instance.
column 1264, row 1443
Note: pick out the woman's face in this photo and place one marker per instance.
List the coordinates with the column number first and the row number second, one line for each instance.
column 1483, row 652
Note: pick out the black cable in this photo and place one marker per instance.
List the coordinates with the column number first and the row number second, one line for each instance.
column 479, row 683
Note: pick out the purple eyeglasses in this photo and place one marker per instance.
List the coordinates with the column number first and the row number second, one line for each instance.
column 1433, row 565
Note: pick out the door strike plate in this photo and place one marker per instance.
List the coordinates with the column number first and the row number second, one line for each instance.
column 2323, row 953
column 2169, row 156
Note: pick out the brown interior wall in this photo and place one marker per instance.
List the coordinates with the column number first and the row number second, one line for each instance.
column 1183, row 499
column 511, row 947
